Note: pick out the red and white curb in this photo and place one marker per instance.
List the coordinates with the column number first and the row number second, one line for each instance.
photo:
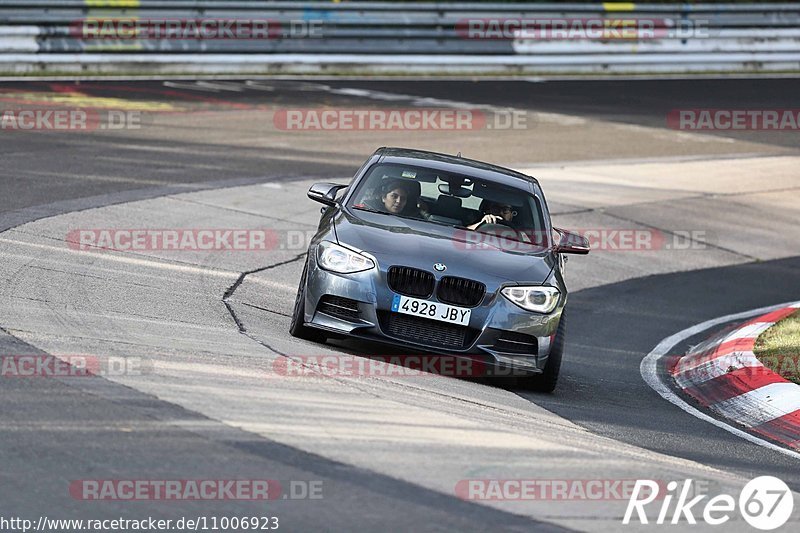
column 724, row 376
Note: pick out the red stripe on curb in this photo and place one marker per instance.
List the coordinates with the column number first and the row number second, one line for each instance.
column 732, row 384
column 774, row 316
column 785, row 430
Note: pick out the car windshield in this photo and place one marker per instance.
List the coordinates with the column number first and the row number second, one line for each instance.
column 449, row 199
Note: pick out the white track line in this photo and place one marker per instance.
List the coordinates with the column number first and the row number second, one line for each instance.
column 649, row 371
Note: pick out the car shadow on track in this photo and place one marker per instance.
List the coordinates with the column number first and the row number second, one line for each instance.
column 391, row 361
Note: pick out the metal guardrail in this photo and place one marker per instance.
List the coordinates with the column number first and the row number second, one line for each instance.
column 397, row 36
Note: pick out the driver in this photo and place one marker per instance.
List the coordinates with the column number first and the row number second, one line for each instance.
column 495, row 213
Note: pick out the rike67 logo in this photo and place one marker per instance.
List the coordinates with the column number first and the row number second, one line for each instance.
column 766, row 503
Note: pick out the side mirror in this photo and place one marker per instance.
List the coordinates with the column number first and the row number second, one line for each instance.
column 571, row 243
column 324, row 193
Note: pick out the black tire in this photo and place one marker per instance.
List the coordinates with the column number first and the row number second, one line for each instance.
column 297, row 328
column 547, row 380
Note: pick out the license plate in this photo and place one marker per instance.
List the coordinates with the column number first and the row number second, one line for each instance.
column 432, row 310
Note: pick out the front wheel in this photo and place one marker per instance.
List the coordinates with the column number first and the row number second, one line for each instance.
column 548, row 379
column 297, row 328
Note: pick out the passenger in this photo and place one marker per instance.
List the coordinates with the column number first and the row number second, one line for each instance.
column 424, row 209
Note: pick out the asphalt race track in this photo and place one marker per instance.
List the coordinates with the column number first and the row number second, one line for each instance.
column 388, row 452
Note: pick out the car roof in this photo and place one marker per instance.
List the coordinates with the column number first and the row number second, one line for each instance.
column 455, row 164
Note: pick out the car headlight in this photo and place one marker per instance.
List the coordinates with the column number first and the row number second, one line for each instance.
column 339, row 259
column 541, row 299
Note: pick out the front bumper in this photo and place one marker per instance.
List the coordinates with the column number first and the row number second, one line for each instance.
column 486, row 339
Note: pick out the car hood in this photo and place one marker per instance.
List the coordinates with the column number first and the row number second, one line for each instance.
column 408, row 242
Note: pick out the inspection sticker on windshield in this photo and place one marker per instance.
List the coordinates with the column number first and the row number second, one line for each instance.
column 432, row 310
column 409, row 174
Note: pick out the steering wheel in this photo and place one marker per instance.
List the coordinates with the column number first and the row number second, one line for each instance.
column 493, row 227
column 498, row 220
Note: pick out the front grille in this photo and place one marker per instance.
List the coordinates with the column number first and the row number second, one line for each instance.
column 512, row 342
column 460, row 291
column 426, row 331
column 411, row 281
column 339, row 307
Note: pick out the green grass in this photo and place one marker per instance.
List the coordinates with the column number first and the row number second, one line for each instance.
column 778, row 348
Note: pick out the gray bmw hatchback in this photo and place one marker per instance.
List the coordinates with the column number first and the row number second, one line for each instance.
column 440, row 254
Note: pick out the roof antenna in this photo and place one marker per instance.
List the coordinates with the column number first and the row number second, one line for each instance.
column 458, row 154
